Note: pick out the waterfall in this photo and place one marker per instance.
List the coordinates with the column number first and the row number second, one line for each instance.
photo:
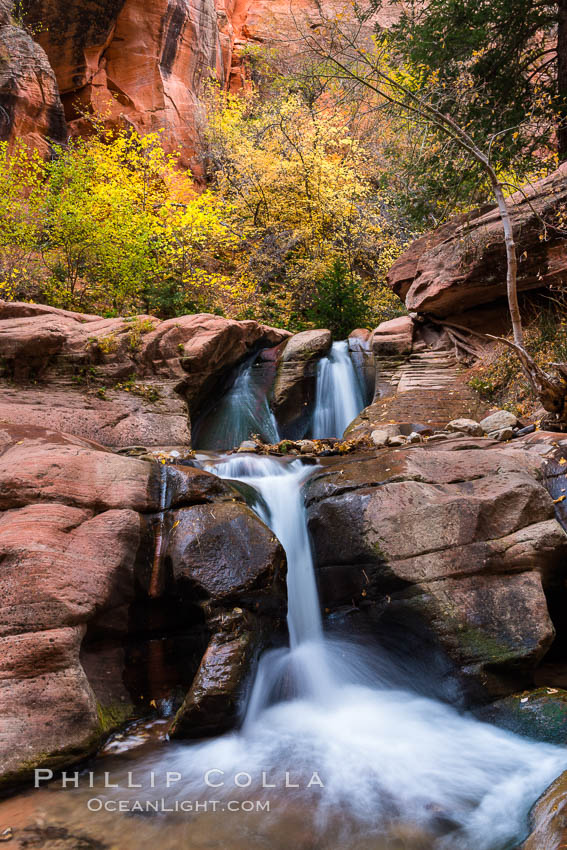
column 342, row 750
column 281, row 508
column 303, row 670
column 242, row 412
column 384, row 753
column 339, row 398
column 335, row 740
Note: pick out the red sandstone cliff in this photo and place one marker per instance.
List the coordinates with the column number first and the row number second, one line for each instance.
column 143, row 61
column 29, row 98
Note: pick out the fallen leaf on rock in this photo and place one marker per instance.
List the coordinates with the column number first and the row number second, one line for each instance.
column 560, row 499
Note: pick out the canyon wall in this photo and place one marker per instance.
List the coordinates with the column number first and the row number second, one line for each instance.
column 136, row 61
column 30, row 106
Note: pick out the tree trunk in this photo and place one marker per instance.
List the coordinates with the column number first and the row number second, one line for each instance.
column 511, row 263
column 562, row 80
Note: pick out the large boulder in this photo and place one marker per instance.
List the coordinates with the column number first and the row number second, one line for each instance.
column 67, row 558
column 60, row 567
column 294, row 390
column 362, row 355
column 466, row 540
column 227, row 555
column 463, row 264
column 227, row 558
column 119, row 382
column 393, row 337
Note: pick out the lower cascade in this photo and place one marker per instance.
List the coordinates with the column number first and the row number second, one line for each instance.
column 339, row 394
column 332, row 751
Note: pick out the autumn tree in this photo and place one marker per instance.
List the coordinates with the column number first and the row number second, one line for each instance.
column 377, row 70
column 295, row 179
column 110, row 223
column 22, row 176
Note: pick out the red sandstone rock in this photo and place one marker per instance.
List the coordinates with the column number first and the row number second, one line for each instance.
column 117, row 382
column 60, row 566
column 29, row 97
column 465, row 536
column 463, row 264
column 295, row 385
column 135, row 61
column 393, row 337
column 548, row 818
column 145, row 63
column 79, row 557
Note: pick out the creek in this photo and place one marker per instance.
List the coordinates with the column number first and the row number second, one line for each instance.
column 336, row 749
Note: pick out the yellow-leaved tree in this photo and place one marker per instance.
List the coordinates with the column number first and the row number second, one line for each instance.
column 22, row 177
column 112, row 224
column 297, row 184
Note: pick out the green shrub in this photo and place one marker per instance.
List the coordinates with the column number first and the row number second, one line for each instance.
column 341, row 304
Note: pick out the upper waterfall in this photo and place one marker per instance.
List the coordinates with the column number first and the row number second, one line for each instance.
column 243, row 411
column 335, row 397
column 339, row 396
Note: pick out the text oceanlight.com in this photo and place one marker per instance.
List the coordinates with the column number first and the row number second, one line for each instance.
column 96, row 804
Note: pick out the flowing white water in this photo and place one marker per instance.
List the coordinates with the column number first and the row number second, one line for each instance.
column 398, row 770
column 339, row 398
column 281, row 507
column 303, row 670
column 382, row 753
column 242, row 412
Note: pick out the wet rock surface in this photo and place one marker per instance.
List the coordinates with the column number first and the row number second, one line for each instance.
column 549, row 818
column 227, row 555
column 540, row 714
column 103, row 612
column 118, row 382
column 215, row 699
column 462, row 534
